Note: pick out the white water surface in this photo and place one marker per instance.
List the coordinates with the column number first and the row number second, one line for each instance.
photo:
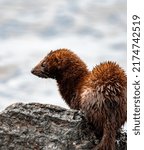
column 93, row 29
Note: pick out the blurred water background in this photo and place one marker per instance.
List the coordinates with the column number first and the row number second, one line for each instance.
column 94, row 29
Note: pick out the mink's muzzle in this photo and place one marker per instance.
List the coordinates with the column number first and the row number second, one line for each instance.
column 39, row 73
column 34, row 71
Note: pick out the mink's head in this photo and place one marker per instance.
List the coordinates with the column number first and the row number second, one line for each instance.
column 56, row 64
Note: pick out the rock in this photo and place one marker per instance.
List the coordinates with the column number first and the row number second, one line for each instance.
column 46, row 127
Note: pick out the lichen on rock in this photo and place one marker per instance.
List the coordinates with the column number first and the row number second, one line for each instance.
column 37, row 126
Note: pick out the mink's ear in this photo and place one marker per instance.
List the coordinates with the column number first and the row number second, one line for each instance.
column 50, row 52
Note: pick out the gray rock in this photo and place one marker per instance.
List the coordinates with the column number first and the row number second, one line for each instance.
column 46, row 127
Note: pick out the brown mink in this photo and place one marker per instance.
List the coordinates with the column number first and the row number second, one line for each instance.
column 101, row 93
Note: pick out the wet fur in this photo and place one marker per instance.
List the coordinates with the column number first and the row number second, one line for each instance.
column 100, row 94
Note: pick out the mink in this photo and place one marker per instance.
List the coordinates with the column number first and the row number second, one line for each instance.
column 101, row 93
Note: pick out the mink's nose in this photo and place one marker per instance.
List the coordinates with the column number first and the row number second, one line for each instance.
column 33, row 71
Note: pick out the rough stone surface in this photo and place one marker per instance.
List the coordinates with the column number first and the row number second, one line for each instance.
column 46, row 127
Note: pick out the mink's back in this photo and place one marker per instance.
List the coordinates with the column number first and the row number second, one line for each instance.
column 104, row 93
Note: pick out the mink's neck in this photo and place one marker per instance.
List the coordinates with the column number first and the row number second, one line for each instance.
column 69, row 86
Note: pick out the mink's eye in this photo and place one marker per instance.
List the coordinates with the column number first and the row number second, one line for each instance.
column 43, row 64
